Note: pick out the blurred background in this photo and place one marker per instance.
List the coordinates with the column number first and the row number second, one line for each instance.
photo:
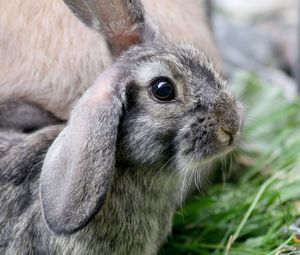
column 254, row 207
column 259, row 36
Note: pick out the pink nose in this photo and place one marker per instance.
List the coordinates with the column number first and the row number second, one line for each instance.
column 226, row 136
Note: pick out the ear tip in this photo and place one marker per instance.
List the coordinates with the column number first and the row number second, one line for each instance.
column 62, row 221
column 60, row 224
column 54, row 220
column 60, row 228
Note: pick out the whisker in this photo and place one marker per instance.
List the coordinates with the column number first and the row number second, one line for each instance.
column 197, row 180
column 156, row 176
column 169, row 179
column 182, row 190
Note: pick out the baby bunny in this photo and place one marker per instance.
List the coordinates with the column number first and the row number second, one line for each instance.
column 54, row 58
column 112, row 179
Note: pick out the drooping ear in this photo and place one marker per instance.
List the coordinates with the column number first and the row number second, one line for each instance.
column 79, row 166
column 121, row 21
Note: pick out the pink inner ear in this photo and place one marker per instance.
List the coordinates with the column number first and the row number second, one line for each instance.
column 122, row 42
column 101, row 91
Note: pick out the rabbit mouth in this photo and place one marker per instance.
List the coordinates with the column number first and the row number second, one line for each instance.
column 196, row 160
column 204, row 137
column 206, row 153
column 201, row 143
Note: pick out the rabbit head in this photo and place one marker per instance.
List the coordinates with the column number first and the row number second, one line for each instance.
column 159, row 103
column 177, row 107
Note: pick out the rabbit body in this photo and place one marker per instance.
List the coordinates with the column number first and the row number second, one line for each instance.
column 49, row 58
column 135, row 219
column 110, row 180
column 25, row 117
column 113, row 177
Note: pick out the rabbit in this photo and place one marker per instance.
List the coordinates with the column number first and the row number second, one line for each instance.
column 109, row 181
column 49, row 58
column 24, row 117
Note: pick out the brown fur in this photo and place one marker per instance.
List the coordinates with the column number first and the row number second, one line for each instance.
column 48, row 57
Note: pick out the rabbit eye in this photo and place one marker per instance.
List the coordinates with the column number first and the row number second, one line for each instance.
column 163, row 89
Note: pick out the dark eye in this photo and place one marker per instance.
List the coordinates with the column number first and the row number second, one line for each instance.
column 163, row 89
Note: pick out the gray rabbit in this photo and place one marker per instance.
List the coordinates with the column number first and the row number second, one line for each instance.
column 113, row 177
column 110, row 180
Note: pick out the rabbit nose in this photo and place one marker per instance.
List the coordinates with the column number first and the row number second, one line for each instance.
column 226, row 135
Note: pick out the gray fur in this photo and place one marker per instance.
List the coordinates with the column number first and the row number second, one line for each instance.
column 137, row 190
column 24, row 116
column 78, row 168
column 111, row 180
column 128, row 223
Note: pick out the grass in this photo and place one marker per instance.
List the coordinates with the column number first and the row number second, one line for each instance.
column 251, row 212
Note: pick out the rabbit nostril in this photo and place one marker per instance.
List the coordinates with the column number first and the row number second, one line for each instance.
column 201, row 120
column 225, row 136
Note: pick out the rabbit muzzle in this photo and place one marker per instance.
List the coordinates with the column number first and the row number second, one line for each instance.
column 207, row 135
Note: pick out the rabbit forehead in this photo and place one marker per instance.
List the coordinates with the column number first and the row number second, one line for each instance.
column 185, row 64
column 166, row 66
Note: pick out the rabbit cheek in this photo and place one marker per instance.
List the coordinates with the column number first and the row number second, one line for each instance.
column 201, row 140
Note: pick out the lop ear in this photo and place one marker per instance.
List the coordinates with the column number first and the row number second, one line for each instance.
column 79, row 166
column 121, row 21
